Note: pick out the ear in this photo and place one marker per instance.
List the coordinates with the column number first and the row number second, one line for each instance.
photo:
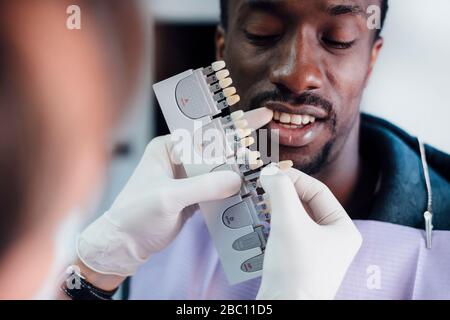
column 220, row 43
column 375, row 52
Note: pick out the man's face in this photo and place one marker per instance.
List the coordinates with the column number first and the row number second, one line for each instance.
column 309, row 61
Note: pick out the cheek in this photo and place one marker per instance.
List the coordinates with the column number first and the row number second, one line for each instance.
column 248, row 70
column 347, row 79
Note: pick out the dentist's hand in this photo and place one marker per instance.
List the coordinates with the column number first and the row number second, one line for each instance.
column 312, row 240
column 152, row 208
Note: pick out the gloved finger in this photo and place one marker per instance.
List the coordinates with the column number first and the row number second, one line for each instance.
column 163, row 158
column 286, row 207
column 325, row 208
column 207, row 187
column 258, row 118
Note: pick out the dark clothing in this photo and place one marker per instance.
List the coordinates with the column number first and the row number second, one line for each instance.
column 401, row 196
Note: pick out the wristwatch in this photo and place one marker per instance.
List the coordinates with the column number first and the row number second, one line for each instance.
column 77, row 287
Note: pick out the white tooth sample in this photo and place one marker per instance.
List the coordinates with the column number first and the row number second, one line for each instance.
column 242, row 133
column 233, row 100
column 222, row 74
column 248, row 157
column 285, row 118
column 241, row 124
column 313, row 119
column 218, row 65
column 224, row 83
column 228, row 92
column 276, row 115
column 253, row 157
column 256, row 165
column 247, row 142
column 237, row 115
column 297, row 119
column 285, row 165
column 241, row 152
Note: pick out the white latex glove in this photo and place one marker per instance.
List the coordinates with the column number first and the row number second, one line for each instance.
column 152, row 208
column 307, row 254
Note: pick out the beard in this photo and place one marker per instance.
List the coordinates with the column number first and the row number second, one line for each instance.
column 305, row 159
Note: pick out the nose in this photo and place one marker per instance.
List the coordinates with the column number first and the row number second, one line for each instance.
column 297, row 69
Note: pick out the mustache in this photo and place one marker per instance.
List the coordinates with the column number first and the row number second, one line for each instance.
column 305, row 98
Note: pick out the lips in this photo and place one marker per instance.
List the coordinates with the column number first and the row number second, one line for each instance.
column 297, row 126
column 313, row 111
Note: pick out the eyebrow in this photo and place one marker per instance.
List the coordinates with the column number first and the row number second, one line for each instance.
column 261, row 4
column 269, row 6
column 343, row 9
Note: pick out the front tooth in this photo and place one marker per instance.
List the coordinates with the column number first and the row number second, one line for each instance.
column 285, row 118
column 306, row 119
column 312, row 119
column 297, row 119
column 276, row 115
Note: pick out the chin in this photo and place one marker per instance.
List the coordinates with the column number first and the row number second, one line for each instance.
column 307, row 159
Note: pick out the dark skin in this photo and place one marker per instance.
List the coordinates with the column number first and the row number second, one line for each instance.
column 321, row 48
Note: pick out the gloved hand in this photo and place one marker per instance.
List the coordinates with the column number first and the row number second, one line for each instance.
column 152, row 208
column 312, row 240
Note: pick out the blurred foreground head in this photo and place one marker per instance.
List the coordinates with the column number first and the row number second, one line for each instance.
column 61, row 92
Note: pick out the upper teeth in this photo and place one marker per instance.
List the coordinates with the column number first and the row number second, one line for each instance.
column 295, row 119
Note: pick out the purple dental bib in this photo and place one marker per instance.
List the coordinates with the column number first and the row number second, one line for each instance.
column 393, row 263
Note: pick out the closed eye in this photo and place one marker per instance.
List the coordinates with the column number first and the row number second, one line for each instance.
column 338, row 44
column 261, row 40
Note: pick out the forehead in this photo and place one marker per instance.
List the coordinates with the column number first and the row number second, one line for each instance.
column 300, row 7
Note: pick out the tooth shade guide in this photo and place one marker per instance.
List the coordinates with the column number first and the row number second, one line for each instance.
column 252, row 176
column 228, row 92
column 247, row 142
column 222, row 104
column 285, row 165
column 219, row 96
column 243, row 133
column 222, row 74
column 215, row 87
column 250, row 158
column 233, row 100
column 241, row 124
column 237, row 115
column 224, row 83
column 212, row 79
column 218, row 65
column 208, row 70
